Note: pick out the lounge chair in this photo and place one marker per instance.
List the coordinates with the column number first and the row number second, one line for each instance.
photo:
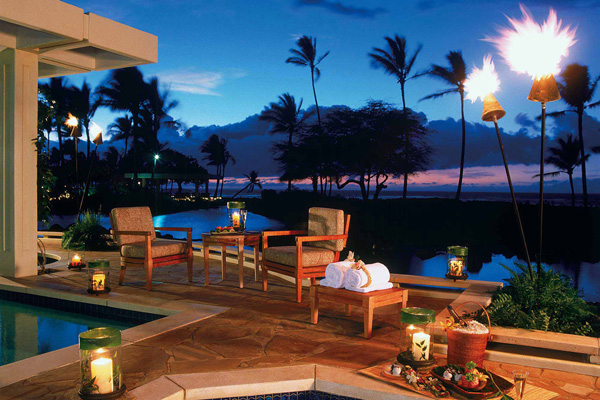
column 135, row 233
column 321, row 244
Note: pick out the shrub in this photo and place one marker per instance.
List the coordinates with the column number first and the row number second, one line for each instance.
column 86, row 234
column 549, row 302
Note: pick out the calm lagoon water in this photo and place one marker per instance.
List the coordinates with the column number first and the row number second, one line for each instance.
column 26, row 331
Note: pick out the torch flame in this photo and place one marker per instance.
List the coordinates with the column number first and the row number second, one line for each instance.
column 482, row 82
column 72, row 121
column 532, row 48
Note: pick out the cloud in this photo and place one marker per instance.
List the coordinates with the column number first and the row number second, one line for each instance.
column 199, row 82
column 425, row 5
column 339, row 8
column 526, row 122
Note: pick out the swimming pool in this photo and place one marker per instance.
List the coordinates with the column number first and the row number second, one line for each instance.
column 32, row 325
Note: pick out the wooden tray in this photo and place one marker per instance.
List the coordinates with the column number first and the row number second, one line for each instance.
column 486, row 392
column 378, row 373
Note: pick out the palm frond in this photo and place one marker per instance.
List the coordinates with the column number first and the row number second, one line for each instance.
column 439, row 94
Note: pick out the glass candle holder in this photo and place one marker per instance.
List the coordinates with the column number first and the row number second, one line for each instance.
column 76, row 259
column 236, row 212
column 416, row 337
column 98, row 274
column 100, row 357
column 457, row 262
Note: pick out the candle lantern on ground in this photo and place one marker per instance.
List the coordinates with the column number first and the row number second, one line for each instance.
column 76, row 259
column 100, row 357
column 416, row 337
column 236, row 212
column 98, row 274
column 457, row 262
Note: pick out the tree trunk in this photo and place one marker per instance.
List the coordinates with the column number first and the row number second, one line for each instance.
column 289, row 152
column 60, row 146
column 312, row 77
column 582, row 150
column 218, row 179
column 315, row 183
column 462, row 151
column 572, row 189
column 135, row 173
column 222, row 180
column 405, row 188
column 86, row 125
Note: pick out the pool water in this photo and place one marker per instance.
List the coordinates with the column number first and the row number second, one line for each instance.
column 27, row 330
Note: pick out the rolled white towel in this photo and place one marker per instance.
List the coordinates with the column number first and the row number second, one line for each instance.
column 372, row 288
column 334, row 274
column 357, row 278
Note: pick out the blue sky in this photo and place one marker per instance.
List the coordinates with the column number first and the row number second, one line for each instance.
column 225, row 60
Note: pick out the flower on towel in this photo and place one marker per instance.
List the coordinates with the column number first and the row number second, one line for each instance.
column 350, row 256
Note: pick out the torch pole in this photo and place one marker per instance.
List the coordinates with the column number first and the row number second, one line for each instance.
column 542, row 156
column 87, row 182
column 514, row 199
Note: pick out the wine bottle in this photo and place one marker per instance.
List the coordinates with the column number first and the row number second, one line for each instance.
column 455, row 316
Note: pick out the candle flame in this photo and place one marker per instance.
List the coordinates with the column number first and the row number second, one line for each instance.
column 532, row 48
column 482, row 82
column 72, row 121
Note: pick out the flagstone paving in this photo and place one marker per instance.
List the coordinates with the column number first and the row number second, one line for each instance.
column 259, row 330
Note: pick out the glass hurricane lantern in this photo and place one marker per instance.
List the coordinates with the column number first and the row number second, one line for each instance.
column 416, row 337
column 100, row 357
column 457, row 262
column 98, row 274
column 76, row 259
column 236, row 212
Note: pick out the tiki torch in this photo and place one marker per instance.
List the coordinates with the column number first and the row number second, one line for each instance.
column 537, row 51
column 481, row 84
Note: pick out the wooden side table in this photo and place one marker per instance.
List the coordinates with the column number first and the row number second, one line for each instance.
column 239, row 240
column 368, row 301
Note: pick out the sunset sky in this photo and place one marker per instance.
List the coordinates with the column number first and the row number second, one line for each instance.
column 225, row 61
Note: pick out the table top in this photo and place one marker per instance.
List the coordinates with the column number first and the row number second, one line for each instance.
column 350, row 293
column 231, row 237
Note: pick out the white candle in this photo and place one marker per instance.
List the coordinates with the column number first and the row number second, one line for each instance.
column 420, row 346
column 236, row 220
column 102, row 370
column 76, row 261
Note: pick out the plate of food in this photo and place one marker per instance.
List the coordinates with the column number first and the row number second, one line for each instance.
column 470, row 381
column 223, row 230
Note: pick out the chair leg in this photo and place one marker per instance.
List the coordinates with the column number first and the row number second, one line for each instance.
column 149, row 274
column 122, row 275
column 190, row 265
column 313, row 281
column 265, row 276
column 298, row 289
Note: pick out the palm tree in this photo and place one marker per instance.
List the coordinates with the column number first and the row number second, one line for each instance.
column 126, row 90
column 577, row 91
column 454, row 76
column 306, row 56
column 84, row 107
column 566, row 157
column 121, row 129
column 253, row 180
column 57, row 95
column 218, row 155
column 393, row 61
column 284, row 117
column 155, row 113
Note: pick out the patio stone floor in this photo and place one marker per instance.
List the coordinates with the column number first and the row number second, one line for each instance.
column 260, row 330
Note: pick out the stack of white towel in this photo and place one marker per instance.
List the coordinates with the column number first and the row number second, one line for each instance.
column 341, row 274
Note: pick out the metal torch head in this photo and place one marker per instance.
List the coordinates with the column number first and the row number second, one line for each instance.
column 492, row 110
column 98, row 139
column 544, row 90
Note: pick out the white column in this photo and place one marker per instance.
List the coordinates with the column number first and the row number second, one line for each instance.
column 18, row 175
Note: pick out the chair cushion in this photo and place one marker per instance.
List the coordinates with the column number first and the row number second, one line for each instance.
column 311, row 256
column 131, row 219
column 160, row 248
column 326, row 221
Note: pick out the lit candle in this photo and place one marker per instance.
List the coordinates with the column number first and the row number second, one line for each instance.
column 76, row 261
column 102, row 370
column 235, row 220
column 98, row 281
column 420, row 346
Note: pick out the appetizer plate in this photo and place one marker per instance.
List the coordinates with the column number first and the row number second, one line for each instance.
column 482, row 392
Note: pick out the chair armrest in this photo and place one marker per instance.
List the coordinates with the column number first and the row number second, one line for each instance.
column 131, row 233
column 302, row 239
column 283, row 233
column 173, row 229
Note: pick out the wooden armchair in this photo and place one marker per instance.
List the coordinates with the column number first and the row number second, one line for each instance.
column 321, row 244
column 134, row 231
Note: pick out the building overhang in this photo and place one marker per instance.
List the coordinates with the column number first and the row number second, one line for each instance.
column 69, row 41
